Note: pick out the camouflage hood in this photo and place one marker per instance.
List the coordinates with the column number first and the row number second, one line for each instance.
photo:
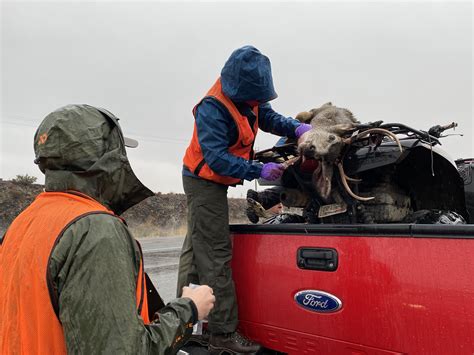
column 80, row 148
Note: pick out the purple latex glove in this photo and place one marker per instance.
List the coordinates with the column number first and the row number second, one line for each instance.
column 302, row 129
column 272, row 171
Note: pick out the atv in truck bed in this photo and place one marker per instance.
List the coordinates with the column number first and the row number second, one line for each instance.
column 393, row 275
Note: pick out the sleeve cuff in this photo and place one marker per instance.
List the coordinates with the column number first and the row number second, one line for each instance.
column 194, row 309
column 296, row 124
column 254, row 171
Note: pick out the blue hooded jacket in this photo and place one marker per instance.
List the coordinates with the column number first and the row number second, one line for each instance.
column 246, row 76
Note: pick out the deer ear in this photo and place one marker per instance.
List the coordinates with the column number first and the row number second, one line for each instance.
column 304, row 117
column 326, row 105
column 350, row 115
column 341, row 129
column 315, row 111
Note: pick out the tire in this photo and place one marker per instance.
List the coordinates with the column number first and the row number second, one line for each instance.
column 434, row 217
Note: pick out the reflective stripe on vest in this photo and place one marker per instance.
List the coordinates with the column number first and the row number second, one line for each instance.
column 194, row 158
column 29, row 321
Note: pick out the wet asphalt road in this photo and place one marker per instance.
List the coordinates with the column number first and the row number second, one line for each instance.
column 161, row 256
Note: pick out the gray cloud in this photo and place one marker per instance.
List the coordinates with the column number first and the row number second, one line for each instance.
column 150, row 62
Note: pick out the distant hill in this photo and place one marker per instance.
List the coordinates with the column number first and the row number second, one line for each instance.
column 162, row 214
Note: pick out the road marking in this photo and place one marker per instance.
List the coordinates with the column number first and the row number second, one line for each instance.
column 161, row 249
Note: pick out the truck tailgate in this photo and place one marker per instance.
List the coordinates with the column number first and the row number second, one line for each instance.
column 403, row 288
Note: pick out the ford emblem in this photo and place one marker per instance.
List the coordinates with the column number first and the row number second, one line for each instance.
column 318, row 301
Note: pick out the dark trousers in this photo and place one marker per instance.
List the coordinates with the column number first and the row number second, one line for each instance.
column 207, row 250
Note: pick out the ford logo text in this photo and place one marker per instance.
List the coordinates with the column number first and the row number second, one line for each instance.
column 318, row 301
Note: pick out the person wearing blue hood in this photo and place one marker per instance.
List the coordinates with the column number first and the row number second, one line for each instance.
column 220, row 155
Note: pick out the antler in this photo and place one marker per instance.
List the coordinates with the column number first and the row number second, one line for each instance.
column 363, row 134
column 344, row 179
column 351, row 140
column 287, row 163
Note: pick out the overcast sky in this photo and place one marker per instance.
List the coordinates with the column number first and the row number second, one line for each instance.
column 151, row 62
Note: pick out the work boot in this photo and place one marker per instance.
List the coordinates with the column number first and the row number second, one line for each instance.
column 251, row 215
column 267, row 198
column 250, row 211
column 261, row 204
column 232, row 343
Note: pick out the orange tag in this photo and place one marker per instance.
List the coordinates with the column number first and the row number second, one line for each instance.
column 42, row 139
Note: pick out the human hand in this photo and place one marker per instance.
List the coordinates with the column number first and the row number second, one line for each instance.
column 203, row 298
column 302, row 129
column 272, row 171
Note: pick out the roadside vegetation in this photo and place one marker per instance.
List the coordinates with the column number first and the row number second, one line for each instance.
column 159, row 215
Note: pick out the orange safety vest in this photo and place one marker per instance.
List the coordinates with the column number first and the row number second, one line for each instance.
column 29, row 320
column 194, row 158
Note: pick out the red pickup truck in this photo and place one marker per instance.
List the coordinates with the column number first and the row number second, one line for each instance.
column 353, row 284
column 356, row 289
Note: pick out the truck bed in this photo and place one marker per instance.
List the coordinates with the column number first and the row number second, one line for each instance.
column 403, row 288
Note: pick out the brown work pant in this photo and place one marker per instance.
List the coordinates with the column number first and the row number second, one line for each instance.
column 207, row 250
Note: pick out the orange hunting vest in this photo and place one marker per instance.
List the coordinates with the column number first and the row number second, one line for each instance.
column 29, row 322
column 194, row 159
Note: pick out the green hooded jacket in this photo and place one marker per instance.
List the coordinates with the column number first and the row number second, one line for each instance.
column 95, row 264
